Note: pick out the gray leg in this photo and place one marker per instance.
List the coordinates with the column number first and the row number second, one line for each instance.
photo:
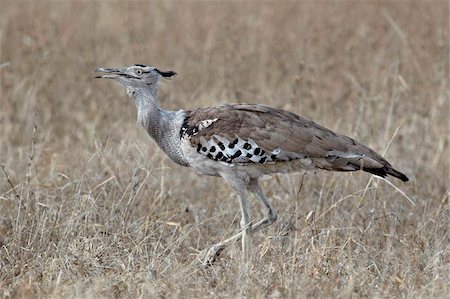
column 270, row 215
column 207, row 256
column 246, row 226
column 239, row 185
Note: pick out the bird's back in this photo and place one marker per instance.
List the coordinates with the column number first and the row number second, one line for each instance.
column 250, row 135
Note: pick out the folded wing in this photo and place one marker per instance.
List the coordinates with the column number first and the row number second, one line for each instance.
column 247, row 133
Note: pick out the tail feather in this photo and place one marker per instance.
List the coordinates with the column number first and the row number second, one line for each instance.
column 369, row 161
column 387, row 170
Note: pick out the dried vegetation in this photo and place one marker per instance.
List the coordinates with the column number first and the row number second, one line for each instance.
column 90, row 207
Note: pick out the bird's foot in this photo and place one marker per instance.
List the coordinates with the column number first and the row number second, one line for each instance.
column 208, row 256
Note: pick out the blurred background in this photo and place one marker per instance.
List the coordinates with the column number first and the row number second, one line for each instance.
column 89, row 205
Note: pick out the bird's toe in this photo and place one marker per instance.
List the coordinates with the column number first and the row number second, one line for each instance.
column 208, row 256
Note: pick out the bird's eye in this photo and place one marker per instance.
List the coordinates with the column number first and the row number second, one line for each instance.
column 138, row 72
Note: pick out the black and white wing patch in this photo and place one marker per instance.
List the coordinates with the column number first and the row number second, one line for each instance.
column 188, row 131
column 240, row 151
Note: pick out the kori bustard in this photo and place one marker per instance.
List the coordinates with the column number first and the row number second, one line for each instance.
column 241, row 143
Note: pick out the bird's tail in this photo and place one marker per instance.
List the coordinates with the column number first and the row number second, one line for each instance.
column 385, row 171
column 368, row 161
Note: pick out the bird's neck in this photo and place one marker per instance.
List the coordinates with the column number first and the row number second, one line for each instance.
column 149, row 114
column 162, row 125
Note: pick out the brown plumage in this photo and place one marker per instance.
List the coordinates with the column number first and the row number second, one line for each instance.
column 294, row 135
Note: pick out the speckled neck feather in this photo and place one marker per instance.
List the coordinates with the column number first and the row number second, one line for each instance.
column 162, row 125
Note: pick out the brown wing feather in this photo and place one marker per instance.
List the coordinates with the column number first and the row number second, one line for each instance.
column 270, row 128
column 273, row 129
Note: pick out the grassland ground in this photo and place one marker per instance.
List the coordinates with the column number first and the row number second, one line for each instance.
column 90, row 207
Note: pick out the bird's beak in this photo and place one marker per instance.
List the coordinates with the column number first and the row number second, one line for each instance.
column 108, row 73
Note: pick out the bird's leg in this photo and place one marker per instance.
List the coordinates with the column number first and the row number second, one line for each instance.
column 239, row 185
column 270, row 215
column 246, row 226
column 207, row 256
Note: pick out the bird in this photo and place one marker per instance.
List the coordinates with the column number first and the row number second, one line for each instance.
column 242, row 143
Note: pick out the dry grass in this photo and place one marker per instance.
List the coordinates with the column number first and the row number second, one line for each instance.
column 90, row 207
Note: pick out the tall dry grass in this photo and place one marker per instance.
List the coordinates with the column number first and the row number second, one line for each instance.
column 90, row 207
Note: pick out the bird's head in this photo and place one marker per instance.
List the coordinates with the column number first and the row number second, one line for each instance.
column 136, row 78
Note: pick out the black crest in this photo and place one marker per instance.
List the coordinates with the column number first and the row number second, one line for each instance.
column 167, row 74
